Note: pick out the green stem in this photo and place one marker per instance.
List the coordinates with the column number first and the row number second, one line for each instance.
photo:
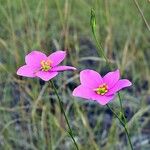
column 99, row 46
column 62, row 109
column 121, row 108
column 129, row 139
column 120, row 103
column 123, row 124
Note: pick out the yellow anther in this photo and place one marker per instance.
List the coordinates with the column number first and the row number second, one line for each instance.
column 102, row 89
column 46, row 65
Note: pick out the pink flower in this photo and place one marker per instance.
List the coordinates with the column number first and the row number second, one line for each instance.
column 101, row 89
column 39, row 65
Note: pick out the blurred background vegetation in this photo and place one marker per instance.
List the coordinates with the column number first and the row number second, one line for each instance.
column 30, row 118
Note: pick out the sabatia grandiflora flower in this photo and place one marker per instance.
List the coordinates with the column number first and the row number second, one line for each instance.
column 42, row 66
column 101, row 89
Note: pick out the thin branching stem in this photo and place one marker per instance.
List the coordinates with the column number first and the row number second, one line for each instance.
column 101, row 53
column 122, row 123
column 63, row 111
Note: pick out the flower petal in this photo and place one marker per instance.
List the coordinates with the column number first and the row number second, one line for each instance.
column 34, row 58
column 26, row 71
column 63, row 68
column 111, row 78
column 103, row 100
column 57, row 57
column 118, row 86
column 90, row 78
column 83, row 92
column 46, row 76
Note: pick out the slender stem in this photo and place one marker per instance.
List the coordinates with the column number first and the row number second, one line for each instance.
column 62, row 109
column 129, row 139
column 121, row 107
column 101, row 52
column 123, row 124
column 99, row 45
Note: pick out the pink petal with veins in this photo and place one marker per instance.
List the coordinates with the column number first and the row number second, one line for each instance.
column 111, row 78
column 62, row 68
column 90, row 78
column 103, row 100
column 26, row 71
column 34, row 58
column 57, row 57
column 84, row 92
column 46, row 75
column 118, row 86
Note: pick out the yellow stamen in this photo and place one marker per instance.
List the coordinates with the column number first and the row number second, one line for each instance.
column 46, row 65
column 102, row 89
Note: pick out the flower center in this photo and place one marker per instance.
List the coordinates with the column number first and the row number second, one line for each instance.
column 102, row 89
column 46, row 65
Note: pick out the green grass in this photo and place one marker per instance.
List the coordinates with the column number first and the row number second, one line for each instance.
column 30, row 117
